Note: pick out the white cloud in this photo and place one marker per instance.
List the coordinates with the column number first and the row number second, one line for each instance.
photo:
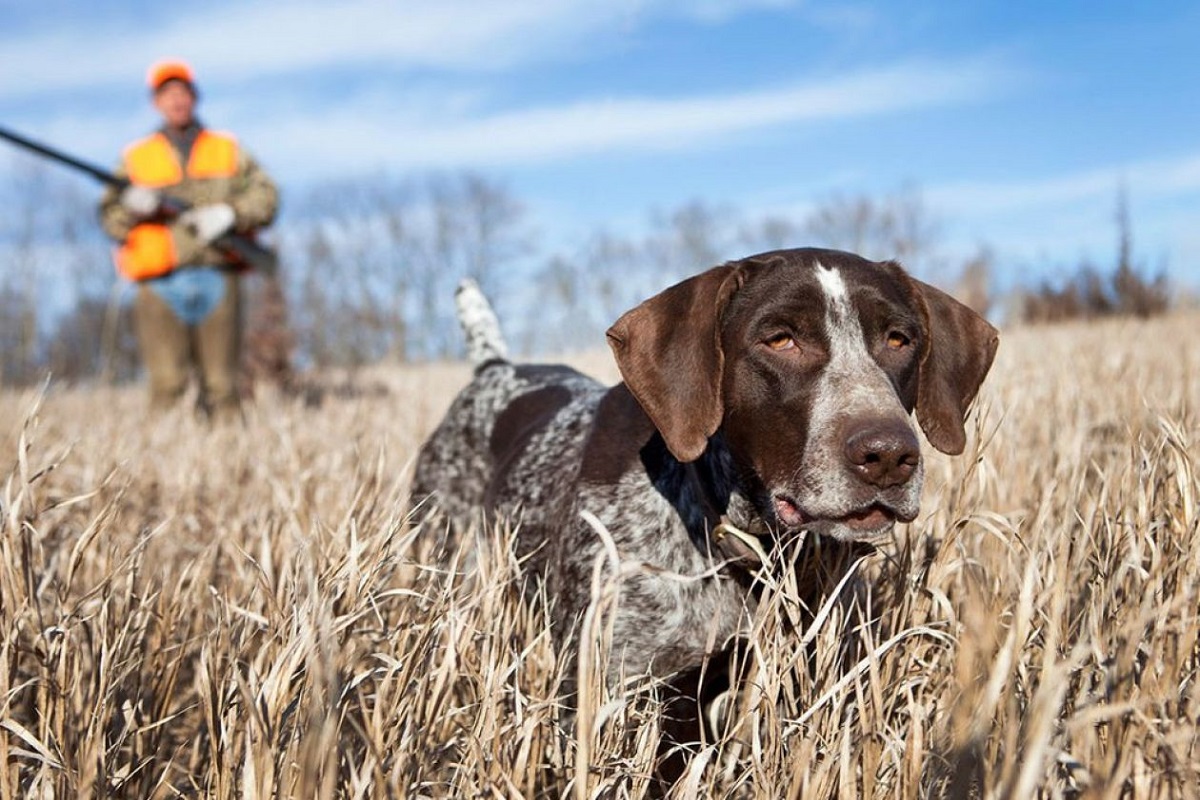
column 307, row 138
column 1054, row 222
column 251, row 40
column 716, row 11
column 1146, row 178
column 373, row 136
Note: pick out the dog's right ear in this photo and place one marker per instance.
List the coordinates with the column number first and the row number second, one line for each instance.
column 669, row 352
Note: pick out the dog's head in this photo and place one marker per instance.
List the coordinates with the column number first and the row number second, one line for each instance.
column 810, row 363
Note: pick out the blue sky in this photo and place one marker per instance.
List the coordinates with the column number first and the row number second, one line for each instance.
column 1016, row 120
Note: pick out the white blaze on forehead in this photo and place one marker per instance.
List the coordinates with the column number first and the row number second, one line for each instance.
column 845, row 332
column 832, row 284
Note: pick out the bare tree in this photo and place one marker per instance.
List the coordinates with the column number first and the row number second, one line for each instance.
column 55, row 261
column 1092, row 293
column 1134, row 294
column 695, row 236
column 974, row 284
column 848, row 223
column 269, row 339
column 73, row 351
column 770, row 233
column 375, row 263
column 470, row 227
column 494, row 237
column 609, row 274
column 19, row 311
column 897, row 226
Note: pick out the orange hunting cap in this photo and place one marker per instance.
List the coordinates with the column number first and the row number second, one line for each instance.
column 163, row 71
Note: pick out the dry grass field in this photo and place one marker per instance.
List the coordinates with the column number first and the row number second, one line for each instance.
column 187, row 612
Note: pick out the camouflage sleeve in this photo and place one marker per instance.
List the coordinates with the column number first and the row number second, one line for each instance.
column 255, row 198
column 114, row 219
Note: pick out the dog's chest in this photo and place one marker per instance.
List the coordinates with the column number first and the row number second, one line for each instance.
column 673, row 604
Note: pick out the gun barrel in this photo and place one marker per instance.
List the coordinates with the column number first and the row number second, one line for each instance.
column 240, row 247
column 102, row 175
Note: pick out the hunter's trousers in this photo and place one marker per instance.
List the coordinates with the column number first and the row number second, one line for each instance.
column 170, row 346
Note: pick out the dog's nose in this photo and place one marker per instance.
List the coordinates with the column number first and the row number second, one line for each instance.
column 884, row 453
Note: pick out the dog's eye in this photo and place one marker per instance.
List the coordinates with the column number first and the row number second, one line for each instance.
column 781, row 341
column 897, row 340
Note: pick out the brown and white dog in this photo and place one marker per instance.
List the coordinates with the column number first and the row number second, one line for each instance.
column 772, row 395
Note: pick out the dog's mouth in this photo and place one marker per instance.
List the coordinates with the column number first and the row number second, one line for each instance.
column 870, row 521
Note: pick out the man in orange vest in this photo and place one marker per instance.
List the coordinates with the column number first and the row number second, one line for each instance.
column 188, row 309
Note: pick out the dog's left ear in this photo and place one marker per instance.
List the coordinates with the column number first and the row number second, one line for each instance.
column 961, row 346
column 669, row 352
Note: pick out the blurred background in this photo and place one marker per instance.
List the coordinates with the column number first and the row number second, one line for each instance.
column 1040, row 160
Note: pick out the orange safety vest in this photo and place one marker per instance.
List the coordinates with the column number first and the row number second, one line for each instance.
column 149, row 250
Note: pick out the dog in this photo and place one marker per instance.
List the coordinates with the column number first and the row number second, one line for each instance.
column 760, row 398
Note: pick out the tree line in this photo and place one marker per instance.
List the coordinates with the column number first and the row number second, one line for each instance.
column 370, row 265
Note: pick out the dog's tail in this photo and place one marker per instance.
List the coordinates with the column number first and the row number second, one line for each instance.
column 485, row 342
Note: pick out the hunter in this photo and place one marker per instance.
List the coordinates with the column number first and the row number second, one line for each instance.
column 188, row 308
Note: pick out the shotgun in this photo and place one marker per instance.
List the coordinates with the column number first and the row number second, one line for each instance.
column 240, row 248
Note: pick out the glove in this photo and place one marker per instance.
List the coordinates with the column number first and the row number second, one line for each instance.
column 140, row 201
column 209, row 223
